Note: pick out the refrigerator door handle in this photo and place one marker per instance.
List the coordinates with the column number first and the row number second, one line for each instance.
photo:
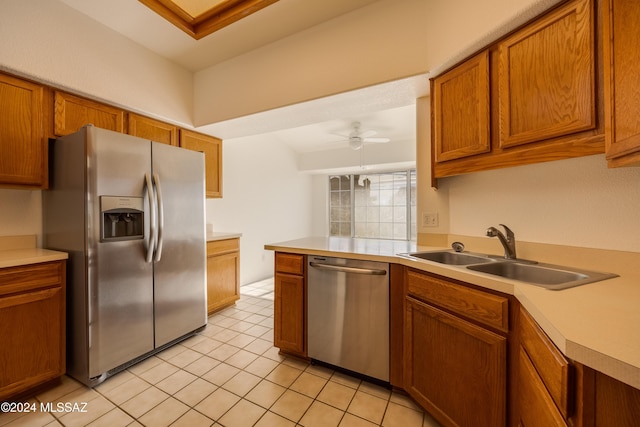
column 152, row 218
column 160, row 217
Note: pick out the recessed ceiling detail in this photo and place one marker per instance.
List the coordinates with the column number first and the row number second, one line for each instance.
column 199, row 18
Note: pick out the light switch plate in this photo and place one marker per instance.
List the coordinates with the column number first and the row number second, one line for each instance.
column 430, row 219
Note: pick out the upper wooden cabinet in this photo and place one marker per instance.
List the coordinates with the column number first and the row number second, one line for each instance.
column 23, row 145
column 155, row 130
column 212, row 149
column 622, row 81
column 72, row 112
column 543, row 89
column 547, row 77
column 461, row 110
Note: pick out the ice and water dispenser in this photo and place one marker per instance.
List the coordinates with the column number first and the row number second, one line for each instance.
column 122, row 218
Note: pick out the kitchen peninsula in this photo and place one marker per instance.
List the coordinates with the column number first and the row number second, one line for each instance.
column 594, row 325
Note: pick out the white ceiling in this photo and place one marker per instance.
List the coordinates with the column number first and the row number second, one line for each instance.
column 305, row 127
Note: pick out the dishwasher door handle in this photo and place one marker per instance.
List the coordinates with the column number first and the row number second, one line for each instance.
column 345, row 269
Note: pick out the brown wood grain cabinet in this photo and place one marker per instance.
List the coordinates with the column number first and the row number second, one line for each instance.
column 32, row 326
column 544, row 87
column 545, row 378
column 72, row 112
column 223, row 273
column 461, row 110
column 212, row 149
column 547, row 77
column 622, row 81
column 23, row 142
column 454, row 367
column 155, row 130
column 289, row 304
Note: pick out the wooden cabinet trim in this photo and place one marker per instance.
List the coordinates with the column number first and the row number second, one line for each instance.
column 488, row 309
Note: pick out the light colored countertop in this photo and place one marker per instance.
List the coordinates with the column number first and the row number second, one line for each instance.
column 218, row 235
column 21, row 250
column 597, row 324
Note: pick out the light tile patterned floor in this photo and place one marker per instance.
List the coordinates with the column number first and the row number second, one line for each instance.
column 228, row 375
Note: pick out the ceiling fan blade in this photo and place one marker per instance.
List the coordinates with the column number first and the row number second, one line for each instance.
column 376, row 140
column 367, row 133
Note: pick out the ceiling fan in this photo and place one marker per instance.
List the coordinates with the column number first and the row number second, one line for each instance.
column 357, row 137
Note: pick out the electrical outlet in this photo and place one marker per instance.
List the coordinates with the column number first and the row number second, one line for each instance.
column 430, row 219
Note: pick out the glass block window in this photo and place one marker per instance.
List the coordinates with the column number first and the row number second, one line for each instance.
column 380, row 206
column 340, row 205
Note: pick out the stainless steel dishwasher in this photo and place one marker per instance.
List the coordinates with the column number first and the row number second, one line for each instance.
column 348, row 314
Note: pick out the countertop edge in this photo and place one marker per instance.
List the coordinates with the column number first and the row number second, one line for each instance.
column 573, row 349
column 19, row 257
column 218, row 235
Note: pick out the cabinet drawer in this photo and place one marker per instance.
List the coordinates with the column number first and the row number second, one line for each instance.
column 219, row 247
column 28, row 277
column 551, row 365
column 290, row 263
column 491, row 310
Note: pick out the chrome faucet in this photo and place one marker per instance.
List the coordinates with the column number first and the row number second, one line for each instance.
column 509, row 242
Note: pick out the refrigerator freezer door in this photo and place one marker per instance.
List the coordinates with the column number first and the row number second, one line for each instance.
column 120, row 282
column 180, row 271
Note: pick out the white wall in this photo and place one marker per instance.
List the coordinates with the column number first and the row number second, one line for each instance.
column 378, row 43
column 575, row 202
column 264, row 197
column 50, row 42
column 21, row 213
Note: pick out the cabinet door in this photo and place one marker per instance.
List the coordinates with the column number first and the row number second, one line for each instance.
column 212, row 149
column 461, row 110
column 547, row 77
column 23, row 147
column 454, row 369
column 32, row 331
column 289, row 318
column 155, row 130
column 534, row 402
column 223, row 273
column 72, row 112
column 622, row 81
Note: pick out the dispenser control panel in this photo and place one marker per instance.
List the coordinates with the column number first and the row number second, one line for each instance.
column 122, row 218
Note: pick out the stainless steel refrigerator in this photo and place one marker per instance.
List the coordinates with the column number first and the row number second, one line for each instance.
column 131, row 214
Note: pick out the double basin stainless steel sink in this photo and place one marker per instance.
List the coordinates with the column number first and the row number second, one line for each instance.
column 545, row 275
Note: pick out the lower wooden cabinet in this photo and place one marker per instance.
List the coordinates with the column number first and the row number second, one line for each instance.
column 289, row 304
column 32, row 326
column 223, row 273
column 456, row 370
